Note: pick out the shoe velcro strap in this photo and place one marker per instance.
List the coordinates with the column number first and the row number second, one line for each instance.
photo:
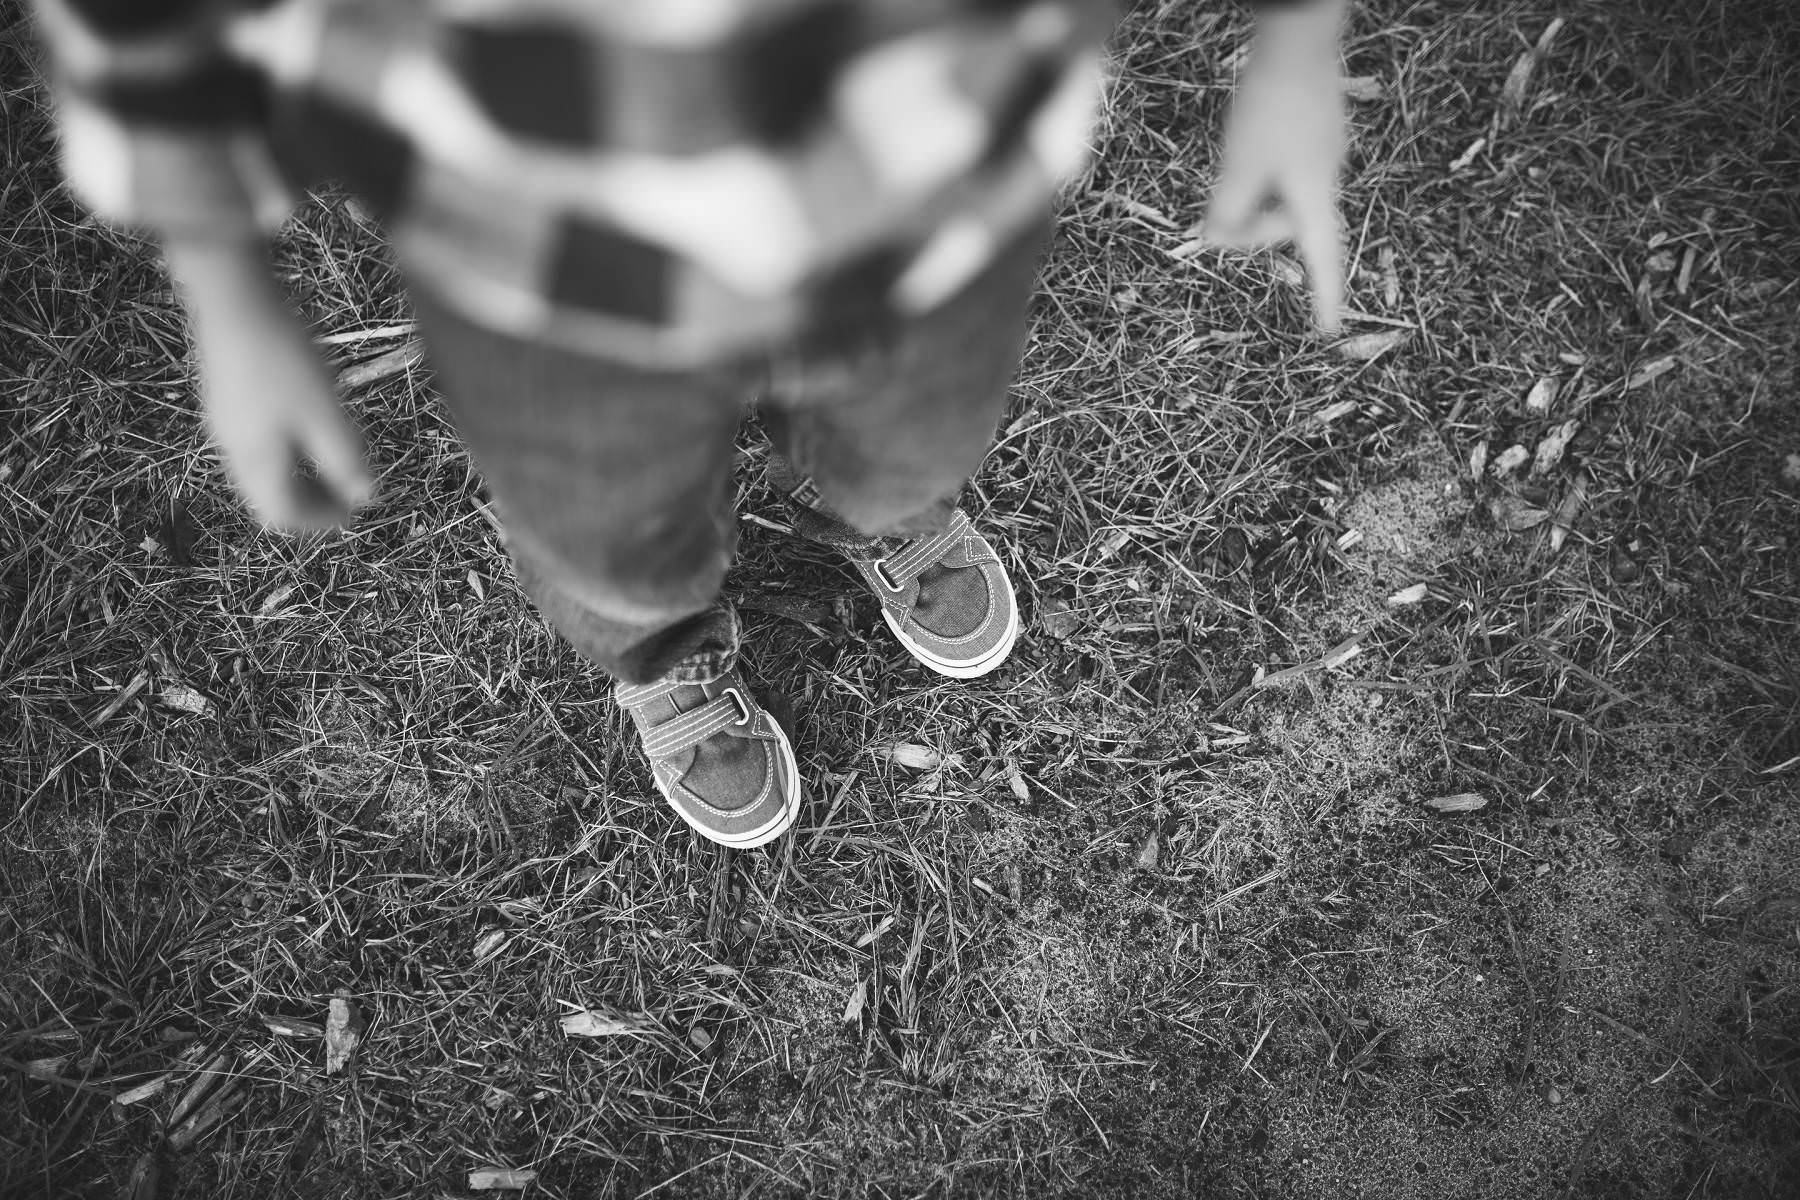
column 633, row 695
column 909, row 563
column 689, row 729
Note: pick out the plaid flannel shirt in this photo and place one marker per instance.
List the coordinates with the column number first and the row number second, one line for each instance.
column 667, row 181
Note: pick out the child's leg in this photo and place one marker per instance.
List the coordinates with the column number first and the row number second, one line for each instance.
column 890, row 436
column 874, row 451
column 615, row 487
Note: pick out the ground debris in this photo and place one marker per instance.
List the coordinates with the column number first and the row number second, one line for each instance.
column 1461, row 802
column 595, row 1023
column 343, row 1032
column 500, row 1179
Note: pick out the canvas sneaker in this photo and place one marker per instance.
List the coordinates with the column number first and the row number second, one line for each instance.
column 946, row 597
column 719, row 759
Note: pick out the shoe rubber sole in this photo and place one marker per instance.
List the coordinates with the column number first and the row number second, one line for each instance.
column 973, row 668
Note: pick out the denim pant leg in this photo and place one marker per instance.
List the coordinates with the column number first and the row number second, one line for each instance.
column 889, row 434
column 614, row 484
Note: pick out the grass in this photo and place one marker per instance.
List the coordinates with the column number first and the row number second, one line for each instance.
column 1172, row 915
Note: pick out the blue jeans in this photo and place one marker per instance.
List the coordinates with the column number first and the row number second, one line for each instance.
column 614, row 482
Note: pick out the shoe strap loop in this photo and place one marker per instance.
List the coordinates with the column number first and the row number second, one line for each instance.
column 898, row 570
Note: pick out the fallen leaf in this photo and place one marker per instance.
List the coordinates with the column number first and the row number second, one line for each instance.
column 1408, row 595
column 500, row 1179
column 489, row 944
column 343, row 1032
column 1150, row 852
column 1563, row 519
column 475, row 585
column 1016, row 781
column 1514, row 515
column 289, row 1028
column 1461, row 802
column 182, row 698
column 1367, row 347
column 859, row 996
column 274, row 600
column 592, row 1022
column 1478, row 459
column 46, row 1068
column 915, row 757
column 1550, row 451
column 1059, row 620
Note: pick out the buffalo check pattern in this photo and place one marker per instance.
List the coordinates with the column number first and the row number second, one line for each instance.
column 669, row 181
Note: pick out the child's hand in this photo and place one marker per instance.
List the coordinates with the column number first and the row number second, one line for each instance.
column 1284, row 143
column 269, row 403
column 271, row 408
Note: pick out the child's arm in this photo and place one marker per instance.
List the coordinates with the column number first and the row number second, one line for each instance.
column 162, row 130
column 1284, row 143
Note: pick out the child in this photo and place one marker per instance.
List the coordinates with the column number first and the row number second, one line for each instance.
column 621, row 217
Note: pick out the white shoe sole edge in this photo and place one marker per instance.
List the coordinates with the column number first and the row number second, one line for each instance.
column 971, row 669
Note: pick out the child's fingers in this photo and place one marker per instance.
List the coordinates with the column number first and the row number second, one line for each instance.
column 336, row 450
column 1319, row 238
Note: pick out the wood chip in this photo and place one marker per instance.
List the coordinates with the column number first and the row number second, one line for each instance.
column 212, row 1075
column 182, row 698
column 142, row 1092
column 1409, row 595
column 1015, row 782
column 226, row 1101
column 1650, row 372
column 500, row 1179
column 1150, row 853
column 271, row 605
column 1461, row 802
column 382, row 366
column 1550, row 451
column 1510, row 460
column 1367, row 347
column 289, row 1028
column 593, row 1022
column 343, row 1032
column 126, row 695
column 1543, row 394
